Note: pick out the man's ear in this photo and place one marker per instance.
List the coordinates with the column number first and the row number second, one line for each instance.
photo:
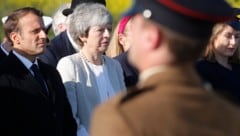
column 158, row 40
column 155, row 38
column 15, row 37
column 61, row 26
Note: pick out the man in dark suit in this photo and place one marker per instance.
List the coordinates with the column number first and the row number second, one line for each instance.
column 33, row 103
column 63, row 45
column 5, row 48
column 2, row 53
column 59, row 47
column 169, row 99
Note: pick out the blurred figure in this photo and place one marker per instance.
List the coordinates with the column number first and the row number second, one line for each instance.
column 89, row 76
column 120, row 41
column 169, row 99
column 220, row 64
column 63, row 44
column 118, row 48
column 59, row 23
column 33, row 99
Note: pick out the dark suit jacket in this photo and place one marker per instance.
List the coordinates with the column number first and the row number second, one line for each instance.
column 225, row 81
column 59, row 47
column 130, row 72
column 2, row 54
column 169, row 103
column 25, row 110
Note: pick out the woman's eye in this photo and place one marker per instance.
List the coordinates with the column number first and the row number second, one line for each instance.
column 228, row 35
column 109, row 29
column 101, row 30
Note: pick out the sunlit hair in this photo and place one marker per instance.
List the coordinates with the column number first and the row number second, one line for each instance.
column 59, row 18
column 11, row 24
column 209, row 52
column 115, row 47
column 87, row 15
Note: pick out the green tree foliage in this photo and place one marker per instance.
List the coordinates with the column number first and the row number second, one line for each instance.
column 234, row 3
column 116, row 7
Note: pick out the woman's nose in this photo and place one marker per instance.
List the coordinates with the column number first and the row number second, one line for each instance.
column 107, row 33
column 232, row 40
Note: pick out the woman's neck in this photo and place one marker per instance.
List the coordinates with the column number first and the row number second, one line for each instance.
column 95, row 58
column 223, row 61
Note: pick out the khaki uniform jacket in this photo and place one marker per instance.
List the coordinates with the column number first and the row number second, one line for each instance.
column 169, row 103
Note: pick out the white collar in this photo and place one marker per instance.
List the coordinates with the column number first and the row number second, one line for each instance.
column 74, row 44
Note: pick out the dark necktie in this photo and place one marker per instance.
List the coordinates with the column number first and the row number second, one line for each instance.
column 38, row 76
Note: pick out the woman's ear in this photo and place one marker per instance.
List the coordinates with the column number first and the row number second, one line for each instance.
column 121, row 39
column 83, row 38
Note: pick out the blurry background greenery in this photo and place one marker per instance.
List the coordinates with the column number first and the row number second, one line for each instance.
column 234, row 3
column 116, row 7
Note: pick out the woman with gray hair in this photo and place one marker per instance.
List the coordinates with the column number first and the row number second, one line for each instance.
column 89, row 76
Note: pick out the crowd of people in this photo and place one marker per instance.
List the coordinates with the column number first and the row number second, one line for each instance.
column 167, row 68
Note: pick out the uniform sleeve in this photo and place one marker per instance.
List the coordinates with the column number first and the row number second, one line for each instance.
column 107, row 121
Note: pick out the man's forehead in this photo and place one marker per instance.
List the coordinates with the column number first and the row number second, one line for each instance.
column 46, row 20
column 33, row 21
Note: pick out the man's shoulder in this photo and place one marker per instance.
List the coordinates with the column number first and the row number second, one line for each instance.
column 10, row 62
column 61, row 37
column 46, row 67
column 59, row 42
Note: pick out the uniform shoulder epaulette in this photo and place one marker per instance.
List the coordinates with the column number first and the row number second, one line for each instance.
column 133, row 93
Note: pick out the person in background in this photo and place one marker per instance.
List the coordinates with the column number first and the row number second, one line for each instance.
column 63, row 44
column 33, row 99
column 5, row 48
column 220, row 64
column 169, row 99
column 59, row 23
column 120, row 41
column 89, row 76
column 118, row 49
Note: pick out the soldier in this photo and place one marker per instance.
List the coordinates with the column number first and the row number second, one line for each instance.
column 170, row 99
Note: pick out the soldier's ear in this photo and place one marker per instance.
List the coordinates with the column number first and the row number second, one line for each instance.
column 159, row 39
column 156, row 38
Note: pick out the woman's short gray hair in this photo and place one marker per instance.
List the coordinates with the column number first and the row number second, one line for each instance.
column 85, row 16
